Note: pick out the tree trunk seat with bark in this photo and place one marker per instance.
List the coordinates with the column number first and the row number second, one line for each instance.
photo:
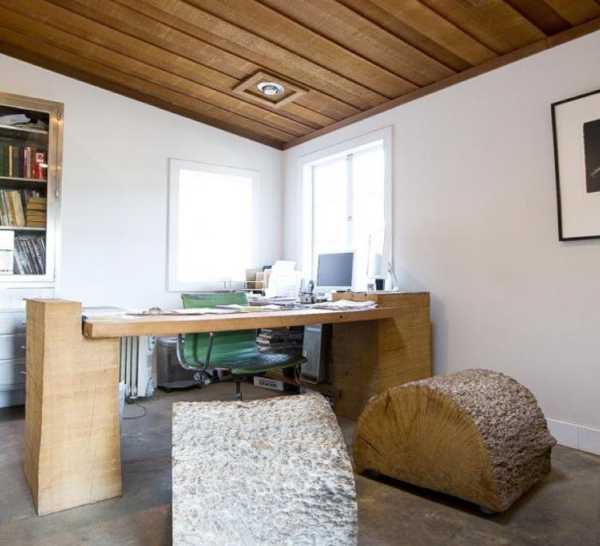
column 477, row 435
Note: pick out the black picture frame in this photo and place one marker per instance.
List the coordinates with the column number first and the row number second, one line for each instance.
column 554, row 105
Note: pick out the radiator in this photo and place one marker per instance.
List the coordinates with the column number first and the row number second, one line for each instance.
column 137, row 366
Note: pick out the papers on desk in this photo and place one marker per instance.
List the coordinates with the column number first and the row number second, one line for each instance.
column 249, row 308
column 197, row 311
column 345, row 305
column 203, row 311
column 257, row 300
column 155, row 312
column 284, row 280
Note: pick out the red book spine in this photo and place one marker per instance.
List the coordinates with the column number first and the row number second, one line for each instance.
column 40, row 158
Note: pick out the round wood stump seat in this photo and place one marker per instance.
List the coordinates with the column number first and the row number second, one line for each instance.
column 477, row 434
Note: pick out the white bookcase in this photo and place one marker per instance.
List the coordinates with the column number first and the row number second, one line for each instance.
column 30, row 173
column 20, row 180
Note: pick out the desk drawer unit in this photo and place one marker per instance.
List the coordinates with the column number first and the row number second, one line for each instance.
column 12, row 374
column 12, row 358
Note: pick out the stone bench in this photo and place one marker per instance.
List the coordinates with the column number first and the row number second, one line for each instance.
column 478, row 435
column 263, row 472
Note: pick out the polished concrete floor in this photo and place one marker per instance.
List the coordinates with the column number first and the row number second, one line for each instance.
column 563, row 511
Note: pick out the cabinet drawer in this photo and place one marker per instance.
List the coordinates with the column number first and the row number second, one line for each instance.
column 11, row 374
column 12, row 346
column 12, row 323
column 12, row 397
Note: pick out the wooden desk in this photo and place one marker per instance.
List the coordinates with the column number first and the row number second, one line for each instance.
column 72, row 429
column 170, row 325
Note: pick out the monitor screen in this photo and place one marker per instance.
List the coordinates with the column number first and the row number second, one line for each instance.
column 335, row 270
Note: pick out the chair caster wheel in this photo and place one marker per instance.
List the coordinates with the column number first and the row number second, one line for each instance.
column 202, row 378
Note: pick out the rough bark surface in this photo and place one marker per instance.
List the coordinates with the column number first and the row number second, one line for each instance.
column 477, row 434
column 265, row 472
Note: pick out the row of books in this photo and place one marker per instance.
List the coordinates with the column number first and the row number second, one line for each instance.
column 22, row 208
column 22, row 161
column 30, row 255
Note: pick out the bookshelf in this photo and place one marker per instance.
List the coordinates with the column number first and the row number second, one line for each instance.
column 30, row 171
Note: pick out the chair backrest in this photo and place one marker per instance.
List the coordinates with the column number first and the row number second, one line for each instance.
column 227, row 346
column 212, row 299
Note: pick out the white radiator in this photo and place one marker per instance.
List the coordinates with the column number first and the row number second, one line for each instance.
column 138, row 365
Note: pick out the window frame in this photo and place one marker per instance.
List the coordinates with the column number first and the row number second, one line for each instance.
column 325, row 155
column 175, row 166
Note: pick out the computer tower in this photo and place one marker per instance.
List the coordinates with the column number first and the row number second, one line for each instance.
column 171, row 375
column 316, row 349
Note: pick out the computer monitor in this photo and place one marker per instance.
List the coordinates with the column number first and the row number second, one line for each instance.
column 334, row 271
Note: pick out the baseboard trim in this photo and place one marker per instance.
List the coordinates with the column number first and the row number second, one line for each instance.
column 575, row 436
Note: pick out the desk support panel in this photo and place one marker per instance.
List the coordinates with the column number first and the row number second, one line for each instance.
column 369, row 357
column 72, row 435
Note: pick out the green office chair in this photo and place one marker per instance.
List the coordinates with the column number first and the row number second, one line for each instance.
column 235, row 351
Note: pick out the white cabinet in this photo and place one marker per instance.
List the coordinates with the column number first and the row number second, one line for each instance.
column 12, row 357
column 31, row 140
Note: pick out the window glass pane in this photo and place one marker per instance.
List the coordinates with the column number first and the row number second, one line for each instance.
column 216, row 229
column 368, row 225
column 330, row 208
column 348, row 211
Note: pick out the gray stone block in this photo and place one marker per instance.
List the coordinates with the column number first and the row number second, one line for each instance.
column 261, row 473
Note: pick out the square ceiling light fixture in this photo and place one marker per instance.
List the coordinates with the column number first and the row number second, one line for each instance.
column 269, row 89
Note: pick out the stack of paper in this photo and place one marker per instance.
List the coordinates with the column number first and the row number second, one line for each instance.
column 345, row 305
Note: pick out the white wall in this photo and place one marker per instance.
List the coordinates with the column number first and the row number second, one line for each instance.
column 475, row 224
column 114, row 211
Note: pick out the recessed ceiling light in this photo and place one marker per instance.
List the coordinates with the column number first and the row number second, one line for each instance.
column 270, row 89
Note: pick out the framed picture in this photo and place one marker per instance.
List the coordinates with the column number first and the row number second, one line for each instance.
column 576, row 126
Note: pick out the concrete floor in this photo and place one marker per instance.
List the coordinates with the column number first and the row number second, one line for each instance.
column 563, row 511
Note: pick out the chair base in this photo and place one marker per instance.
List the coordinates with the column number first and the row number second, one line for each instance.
column 203, row 379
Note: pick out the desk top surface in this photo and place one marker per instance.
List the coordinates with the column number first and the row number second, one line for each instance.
column 169, row 325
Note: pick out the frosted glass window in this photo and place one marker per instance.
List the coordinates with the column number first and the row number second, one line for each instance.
column 212, row 237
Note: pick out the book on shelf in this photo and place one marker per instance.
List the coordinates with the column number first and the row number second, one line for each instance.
column 35, row 211
column 30, row 255
column 22, row 162
column 20, row 208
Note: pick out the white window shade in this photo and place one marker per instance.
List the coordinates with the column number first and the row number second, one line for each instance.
column 212, row 225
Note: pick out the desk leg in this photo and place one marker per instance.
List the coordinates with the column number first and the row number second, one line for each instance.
column 72, row 436
column 370, row 357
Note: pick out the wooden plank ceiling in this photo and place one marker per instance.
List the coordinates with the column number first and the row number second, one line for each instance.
column 339, row 60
